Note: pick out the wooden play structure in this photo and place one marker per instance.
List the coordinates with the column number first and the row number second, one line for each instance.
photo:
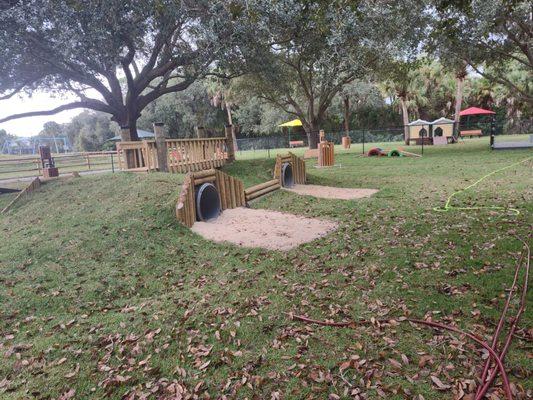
column 230, row 189
column 183, row 155
column 175, row 155
column 379, row 152
column 262, row 189
column 326, row 154
column 297, row 164
column 205, row 194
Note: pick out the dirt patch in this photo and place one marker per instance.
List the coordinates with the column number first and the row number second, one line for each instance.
column 267, row 229
column 329, row 192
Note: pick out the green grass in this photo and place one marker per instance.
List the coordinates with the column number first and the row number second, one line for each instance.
column 96, row 272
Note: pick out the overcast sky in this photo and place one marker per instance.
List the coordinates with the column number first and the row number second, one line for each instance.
column 32, row 126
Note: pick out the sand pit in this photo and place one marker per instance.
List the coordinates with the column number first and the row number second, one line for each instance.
column 329, row 192
column 267, row 229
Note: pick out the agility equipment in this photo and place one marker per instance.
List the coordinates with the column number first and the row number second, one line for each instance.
column 394, row 153
column 376, row 151
column 297, row 168
column 201, row 202
column 346, row 142
column 205, row 194
column 326, row 154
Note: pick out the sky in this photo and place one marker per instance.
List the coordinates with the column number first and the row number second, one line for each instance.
column 33, row 125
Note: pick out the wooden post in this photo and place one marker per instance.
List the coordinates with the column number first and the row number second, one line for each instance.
column 129, row 156
column 161, row 147
column 200, row 132
column 229, row 143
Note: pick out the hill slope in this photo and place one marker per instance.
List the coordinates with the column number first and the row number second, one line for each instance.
column 102, row 293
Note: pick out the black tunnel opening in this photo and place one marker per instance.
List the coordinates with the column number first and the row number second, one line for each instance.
column 207, row 202
column 287, row 179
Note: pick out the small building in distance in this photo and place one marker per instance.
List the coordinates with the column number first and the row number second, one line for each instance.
column 420, row 129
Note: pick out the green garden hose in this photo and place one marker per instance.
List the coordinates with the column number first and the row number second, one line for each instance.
column 449, row 207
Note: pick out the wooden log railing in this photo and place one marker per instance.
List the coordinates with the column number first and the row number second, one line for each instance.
column 262, row 189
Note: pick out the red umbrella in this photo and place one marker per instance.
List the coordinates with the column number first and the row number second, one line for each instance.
column 475, row 111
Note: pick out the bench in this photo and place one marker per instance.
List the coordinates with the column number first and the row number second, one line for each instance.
column 471, row 133
column 296, row 143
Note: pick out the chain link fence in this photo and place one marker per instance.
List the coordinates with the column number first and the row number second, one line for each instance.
column 379, row 135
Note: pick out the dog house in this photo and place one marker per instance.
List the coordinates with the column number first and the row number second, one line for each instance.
column 420, row 130
column 442, row 129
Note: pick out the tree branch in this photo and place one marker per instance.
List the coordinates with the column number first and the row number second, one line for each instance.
column 92, row 104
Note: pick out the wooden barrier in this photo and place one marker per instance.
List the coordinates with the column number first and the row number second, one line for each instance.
column 262, row 189
column 326, row 154
column 34, row 185
column 346, row 142
column 191, row 155
column 143, row 155
column 297, row 164
column 230, row 189
column 184, row 155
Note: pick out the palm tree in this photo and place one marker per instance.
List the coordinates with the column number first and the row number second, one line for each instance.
column 222, row 96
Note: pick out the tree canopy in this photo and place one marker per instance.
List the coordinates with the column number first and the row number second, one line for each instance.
column 309, row 50
column 113, row 56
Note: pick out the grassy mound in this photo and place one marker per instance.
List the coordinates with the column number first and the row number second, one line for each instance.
column 103, row 294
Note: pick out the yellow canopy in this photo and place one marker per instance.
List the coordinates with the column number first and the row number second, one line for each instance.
column 294, row 122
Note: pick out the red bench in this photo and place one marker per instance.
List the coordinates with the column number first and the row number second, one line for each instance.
column 296, row 143
column 471, row 133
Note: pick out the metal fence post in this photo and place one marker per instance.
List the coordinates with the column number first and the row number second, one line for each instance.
column 112, row 164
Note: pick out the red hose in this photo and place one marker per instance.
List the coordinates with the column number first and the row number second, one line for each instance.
column 514, row 325
column 438, row 325
column 499, row 327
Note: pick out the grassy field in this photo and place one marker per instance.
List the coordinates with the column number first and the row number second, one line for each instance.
column 104, row 295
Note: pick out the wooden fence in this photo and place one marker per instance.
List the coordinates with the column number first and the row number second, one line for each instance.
column 183, row 155
column 30, row 166
column 230, row 189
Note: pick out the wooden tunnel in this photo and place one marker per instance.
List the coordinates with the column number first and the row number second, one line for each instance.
column 298, row 167
column 230, row 189
column 326, row 154
column 298, row 174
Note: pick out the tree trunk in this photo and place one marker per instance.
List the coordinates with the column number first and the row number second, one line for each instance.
column 459, row 83
column 132, row 123
column 405, row 118
column 230, row 122
column 129, row 156
column 311, row 131
column 347, row 115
